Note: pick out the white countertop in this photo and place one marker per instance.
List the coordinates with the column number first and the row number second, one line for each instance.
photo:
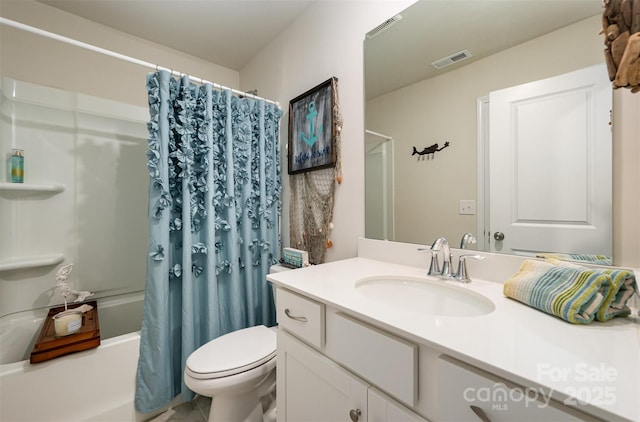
column 599, row 363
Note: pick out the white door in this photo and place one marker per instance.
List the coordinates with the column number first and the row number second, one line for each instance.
column 550, row 165
column 378, row 187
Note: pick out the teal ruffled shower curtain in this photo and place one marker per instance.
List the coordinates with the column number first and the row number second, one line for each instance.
column 214, row 207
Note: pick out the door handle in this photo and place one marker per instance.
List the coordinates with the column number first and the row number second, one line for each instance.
column 498, row 236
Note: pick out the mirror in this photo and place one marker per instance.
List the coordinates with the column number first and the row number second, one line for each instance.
column 409, row 103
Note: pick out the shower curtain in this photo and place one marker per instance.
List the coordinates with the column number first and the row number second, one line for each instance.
column 214, row 207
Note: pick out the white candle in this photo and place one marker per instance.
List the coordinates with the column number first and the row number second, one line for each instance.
column 65, row 324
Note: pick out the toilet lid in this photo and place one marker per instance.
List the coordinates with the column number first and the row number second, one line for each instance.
column 233, row 353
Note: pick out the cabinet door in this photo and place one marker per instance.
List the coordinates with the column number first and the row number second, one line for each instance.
column 384, row 409
column 310, row 387
column 469, row 394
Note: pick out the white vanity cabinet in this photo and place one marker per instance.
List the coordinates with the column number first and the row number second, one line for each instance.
column 386, row 361
column 333, row 366
column 383, row 409
column 314, row 387
column 466, row 393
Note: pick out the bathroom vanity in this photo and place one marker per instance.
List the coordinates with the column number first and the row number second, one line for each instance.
column 355, row 344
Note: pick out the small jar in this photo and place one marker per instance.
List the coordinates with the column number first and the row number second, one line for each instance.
column 17, row 166
column 66, row 323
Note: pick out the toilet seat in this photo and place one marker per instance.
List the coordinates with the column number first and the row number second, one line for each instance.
column 232, row 353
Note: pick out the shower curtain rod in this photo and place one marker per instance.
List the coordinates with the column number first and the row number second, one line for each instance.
column 133, row 60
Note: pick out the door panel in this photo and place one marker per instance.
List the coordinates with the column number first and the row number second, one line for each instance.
column 550, row 165
column 311, row 388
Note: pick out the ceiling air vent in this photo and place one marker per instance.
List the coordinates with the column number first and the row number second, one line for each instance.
column 449, row 60
column 383, row 26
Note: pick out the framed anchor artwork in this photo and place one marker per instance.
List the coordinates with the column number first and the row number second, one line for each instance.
column 312, row 130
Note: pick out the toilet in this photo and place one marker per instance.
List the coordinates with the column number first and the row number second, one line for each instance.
column 236, row 370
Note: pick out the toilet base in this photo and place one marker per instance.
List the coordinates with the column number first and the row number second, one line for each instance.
column 241, row 408
column 245, row 406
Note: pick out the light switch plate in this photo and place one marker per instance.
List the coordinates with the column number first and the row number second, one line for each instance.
column 467, row 207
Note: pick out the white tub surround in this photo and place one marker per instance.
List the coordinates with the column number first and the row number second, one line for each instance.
column 85, row 185
column 593, row 368
column 95, row 384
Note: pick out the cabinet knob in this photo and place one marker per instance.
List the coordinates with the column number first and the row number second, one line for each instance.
column 354, row 414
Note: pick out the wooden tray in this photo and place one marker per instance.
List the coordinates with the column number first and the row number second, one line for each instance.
column 48, row 346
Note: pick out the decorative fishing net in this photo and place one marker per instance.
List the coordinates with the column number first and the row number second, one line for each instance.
column 312, row 196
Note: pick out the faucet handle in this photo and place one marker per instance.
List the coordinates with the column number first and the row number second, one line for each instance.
column 462, row 274
column 467, row 239
column 434, row 266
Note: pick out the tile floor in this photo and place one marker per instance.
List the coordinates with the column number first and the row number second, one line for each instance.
column 198, row 410
column 194, row 411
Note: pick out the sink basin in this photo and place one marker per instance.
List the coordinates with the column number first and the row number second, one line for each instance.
column 423, row 296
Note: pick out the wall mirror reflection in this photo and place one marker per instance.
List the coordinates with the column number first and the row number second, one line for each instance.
column 523, row 98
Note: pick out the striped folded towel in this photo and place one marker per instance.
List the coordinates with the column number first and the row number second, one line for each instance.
column 581, row 258
column 573, row 294
column 623, row 286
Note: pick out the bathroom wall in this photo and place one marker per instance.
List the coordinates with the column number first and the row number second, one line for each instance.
column 327, row 40
column 33, row 58
column 99, row 221
column 444, row 108
column 310, row 51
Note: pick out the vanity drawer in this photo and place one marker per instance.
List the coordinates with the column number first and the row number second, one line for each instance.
column 301, row 316
column 461, row 388
column 388, row 362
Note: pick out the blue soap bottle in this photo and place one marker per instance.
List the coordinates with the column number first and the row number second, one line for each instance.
column 17, row 166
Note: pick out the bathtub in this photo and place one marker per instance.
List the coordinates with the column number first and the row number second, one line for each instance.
column 96, row 384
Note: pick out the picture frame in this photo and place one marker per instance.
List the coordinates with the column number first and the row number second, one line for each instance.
column 312, row 132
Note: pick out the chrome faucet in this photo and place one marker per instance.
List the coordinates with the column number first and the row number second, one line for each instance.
column 461, row 274
column 434, row 266
column 441, row 243
column 467, row 239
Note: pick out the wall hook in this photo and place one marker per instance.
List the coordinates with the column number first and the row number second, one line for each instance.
column 430, row 150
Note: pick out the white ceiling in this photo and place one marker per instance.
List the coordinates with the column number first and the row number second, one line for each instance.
column 432, row 29
column 231, row 32
column 226, row 32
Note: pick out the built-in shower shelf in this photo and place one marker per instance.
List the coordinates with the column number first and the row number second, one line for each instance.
column 31, row 187
column 30, row 262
